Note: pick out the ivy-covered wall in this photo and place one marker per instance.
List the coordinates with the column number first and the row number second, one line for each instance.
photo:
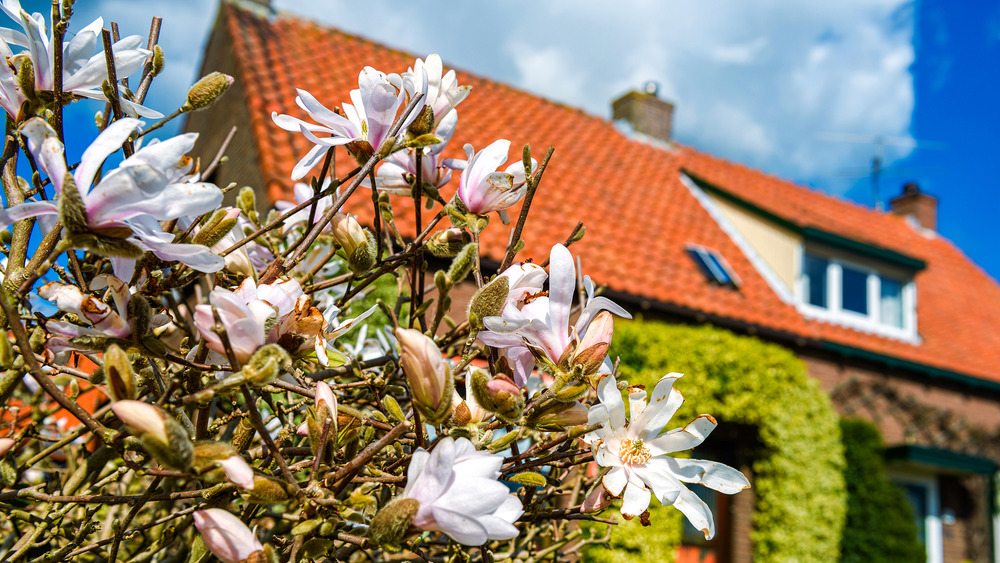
column 798, row 469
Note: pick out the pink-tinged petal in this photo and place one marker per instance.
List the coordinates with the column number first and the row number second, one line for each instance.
column 473, row 496
column 711, row 474
column 381, row 102
column 294, row 124
column 145, row 418
column 107, row 143
column 459, row 527
column 611, row 397
column 26, row 210
column 6, row 444
column 596, row 501
column 499, row 528
column 562, row 283
column 595, row 306
column 44, row 144
column 309, row 161
column 683, row 438
column 325, row 397
column 663, row 404
column 415, row 470
column 117, row 199
column 281, row 294
column 238, row 471
column 635, row 501
column 338, row 124
column 696, row 511
column 445, row 129
column 168, row 158
column 226, row 535
column 615, row 481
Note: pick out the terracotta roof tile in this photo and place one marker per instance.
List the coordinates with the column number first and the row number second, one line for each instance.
column 629, row 195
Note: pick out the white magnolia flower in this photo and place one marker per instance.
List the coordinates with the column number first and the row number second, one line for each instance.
column 147, row 187
column 459, row 493
column 302, row 193
column 542, row 323
column 442, row 93
column 636, row 452
column 83, row 70
column 399, row 169
column 377, row 101
column 481, row 188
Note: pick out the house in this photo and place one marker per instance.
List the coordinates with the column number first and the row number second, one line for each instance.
column 897, row 324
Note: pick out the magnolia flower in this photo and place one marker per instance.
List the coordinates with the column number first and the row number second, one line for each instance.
column 129, row 200
column 481, row 188
column 105, row 321
column 238, row 471
column 459, row 494
column 226, row 535
column 243, row 321
column 159, row 433
column 429, row 378
column 468, row 410
column 376, row 103
column 637, row 452
column 441, row 93
column 83, row 71
column 541, row 326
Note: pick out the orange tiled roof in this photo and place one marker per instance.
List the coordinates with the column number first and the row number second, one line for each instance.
column 629, row 195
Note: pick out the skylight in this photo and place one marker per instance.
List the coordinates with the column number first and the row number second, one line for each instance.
column 713, row 265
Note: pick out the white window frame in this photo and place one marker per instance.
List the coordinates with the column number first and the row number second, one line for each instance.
column 932, row 522
column 834, row 311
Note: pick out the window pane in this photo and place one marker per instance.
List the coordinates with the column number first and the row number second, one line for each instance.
column 854, row 284
column 891, row 306
column 815, row 280
column 917, row 495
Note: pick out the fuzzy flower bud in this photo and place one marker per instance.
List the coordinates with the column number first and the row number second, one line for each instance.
column 266, row 364
column 119, row 374
column 431, row 384
column 463, row 263
column 448, row 242
column 226, row 536
column 162, row 436
column 207, row 91
column 558, row 416
column 488, row 301
column 357, row 242
column 391, row 523
column 218, row 461
column 500, row 395
column 158, row 60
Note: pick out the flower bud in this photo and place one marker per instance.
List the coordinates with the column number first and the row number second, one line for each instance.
column 448, row 242
column 424, row 123
column 218, row 461
column 6, row 444
column 162, row 436
column 500, row 395
column 226, row 536
column 593, row 348
column 266, row 490
column 391, row 523
column 217, row 227
column 431, row 384
column 528, row 479
column 358, row 243
column 207, row 91
column 140, row 315
column 247, row 202
column 596, row 501
column 557, row 416
column 158, row 60
column 25, row 74
column 266, row 364
column 463, row 263
column 488, row 301
column 6, row 351
column 119, row 375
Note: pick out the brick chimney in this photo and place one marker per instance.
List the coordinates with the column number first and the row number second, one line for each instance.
column 645, row 112
column 916, row 204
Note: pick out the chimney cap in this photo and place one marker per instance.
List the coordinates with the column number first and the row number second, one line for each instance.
column 651, row 87
column 911, row 188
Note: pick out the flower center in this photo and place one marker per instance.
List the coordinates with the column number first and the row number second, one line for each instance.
column 634, row 452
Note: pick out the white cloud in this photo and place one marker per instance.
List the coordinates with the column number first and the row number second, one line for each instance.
column 551, row 72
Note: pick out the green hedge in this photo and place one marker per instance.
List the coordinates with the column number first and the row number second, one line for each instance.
column 880, row 526
column 798, row 470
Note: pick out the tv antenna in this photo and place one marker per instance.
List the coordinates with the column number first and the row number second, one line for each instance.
column 879, row 143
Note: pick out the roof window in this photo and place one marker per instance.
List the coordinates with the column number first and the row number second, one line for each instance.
column 713, row 265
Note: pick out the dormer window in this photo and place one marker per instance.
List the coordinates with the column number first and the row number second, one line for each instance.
column 857, row 294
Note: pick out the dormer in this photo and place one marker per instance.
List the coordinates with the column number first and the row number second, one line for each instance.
column 826, row 276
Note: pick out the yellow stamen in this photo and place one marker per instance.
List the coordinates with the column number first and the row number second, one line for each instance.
column 634, row 452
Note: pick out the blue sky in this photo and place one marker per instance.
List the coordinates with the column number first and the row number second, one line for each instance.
column 758, row 83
